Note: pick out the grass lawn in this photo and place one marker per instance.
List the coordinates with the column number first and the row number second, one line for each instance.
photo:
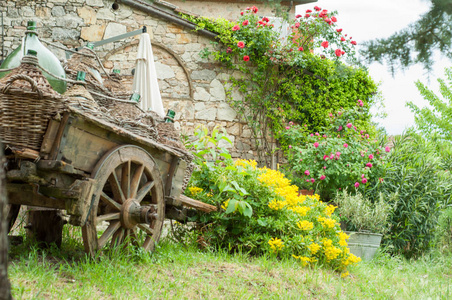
column 174, row 271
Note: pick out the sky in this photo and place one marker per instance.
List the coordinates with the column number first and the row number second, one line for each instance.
column 366, row 20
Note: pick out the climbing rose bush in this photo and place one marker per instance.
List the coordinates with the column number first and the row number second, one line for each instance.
column 340, row 157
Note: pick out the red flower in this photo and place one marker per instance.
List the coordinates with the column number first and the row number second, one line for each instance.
column 246, row 58
column 307, row 16
column 353, row 42
column 364, row 181
column 254, row 9
column 339, row 30
column 334, row 19
column 241, row 44
column 324, row 44
column 308, row 11
column 265, row 19
column 342, row 39
column 317, row 8
column 241, row 13
column 322, row 177
column 343, row 52
column 297, row 25
column 235, row 28
column 297, row 16
column 300, row 49
column 369, row 165
column 246, row 22
column 229, row 50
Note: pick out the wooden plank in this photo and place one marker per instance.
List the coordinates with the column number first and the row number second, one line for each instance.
column 49, row 137
column 26, row 153
column 198, row 205
column 59, row 136
column 26, row 194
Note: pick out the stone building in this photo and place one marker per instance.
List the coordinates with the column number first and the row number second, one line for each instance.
column 189, row 84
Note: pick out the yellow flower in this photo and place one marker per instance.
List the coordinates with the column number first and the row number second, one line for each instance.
column 225, row 204
column 276, row 244
column 314, row 248
column 301, row 210
column 245, row 163
column 305, row 225
column 327, row 222
column 276, row 204
column 209, row 195
column 305, row 260
column 194, row 190
column 345, row 274
column 342, row 237
column 330, row 209
column 332, row 252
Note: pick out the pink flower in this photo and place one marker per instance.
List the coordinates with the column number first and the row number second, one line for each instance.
column 362, row 175
column 322, row 177
column 339, row 30
column 369, row 165
column 241, row 44
column 338, row 52
column 349, row 125
column 324, row 44
column 326, row 157
column 345, row 145
column 229, row 50
column 311, row 134
column 290, row 123
column 324, row 167
column 306, row 173
column 371, row 156
column 235, row 28
column 297, row 25
column 338, row 154
column 324, row 135
column 246, row 22
column 317, row 134
column 246, row 58
column 290, row 146
column 312, row 180
column 300, row 49
column 360, row 103
column 353, row 42
column 380, row 179
column 387, row 149
column 316, row 144
column 364, row 181
column 287, row 127
column 356, row 184
column 340, row 128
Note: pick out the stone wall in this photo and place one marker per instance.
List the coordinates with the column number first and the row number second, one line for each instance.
column 189, row 84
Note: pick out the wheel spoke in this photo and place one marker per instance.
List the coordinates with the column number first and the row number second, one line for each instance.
column 116, row 187
column 112, row 203
column 107, row 217
column 144, row 191
column 108, row 233
column 136, row 181
column 125, row 179
column 118, row 237
column 146, row 228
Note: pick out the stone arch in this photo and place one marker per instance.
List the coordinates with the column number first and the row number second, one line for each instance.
column 173, row 76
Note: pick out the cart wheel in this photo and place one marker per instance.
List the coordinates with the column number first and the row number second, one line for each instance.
column 128, row 202
column 12, row 211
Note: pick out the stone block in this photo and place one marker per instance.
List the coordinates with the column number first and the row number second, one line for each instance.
column 97, row 3
column 241, row 146
column 173, row 28
column 201, row 94
column 68, row 36
column 105, row 14
column 226, row 113
column 87, row 14
column 92, row 33
column 124, row 12
column 43, row 12
column 164, row 71
column 26, row 11
column 207, row 75
column 183, row 38
column 68, row 21
column 114, row 29
column 160, row 30
column 226, row 144
column 234, row 129
column 217, row 91
column 58, row 11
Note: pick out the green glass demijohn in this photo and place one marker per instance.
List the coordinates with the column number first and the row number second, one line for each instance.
column 47, row 60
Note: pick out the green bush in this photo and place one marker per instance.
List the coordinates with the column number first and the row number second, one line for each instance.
column 443, row 236
column 260, row 212
column 414, row 174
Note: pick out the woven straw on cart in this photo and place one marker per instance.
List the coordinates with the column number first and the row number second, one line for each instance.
column 27, row 102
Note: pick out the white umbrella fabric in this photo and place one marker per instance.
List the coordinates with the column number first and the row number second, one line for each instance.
column 145, row 79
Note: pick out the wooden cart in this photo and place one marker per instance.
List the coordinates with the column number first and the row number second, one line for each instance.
column 116, row 185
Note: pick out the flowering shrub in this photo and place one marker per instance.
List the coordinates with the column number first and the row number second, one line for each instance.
column 260, row 212
column 295, row 78
column 341, row 156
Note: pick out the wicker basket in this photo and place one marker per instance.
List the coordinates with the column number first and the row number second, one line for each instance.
column 27, row 102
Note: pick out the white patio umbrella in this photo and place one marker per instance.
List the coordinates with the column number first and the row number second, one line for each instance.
column 145, row 78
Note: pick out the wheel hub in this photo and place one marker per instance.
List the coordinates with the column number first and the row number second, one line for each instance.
column 132, row 213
